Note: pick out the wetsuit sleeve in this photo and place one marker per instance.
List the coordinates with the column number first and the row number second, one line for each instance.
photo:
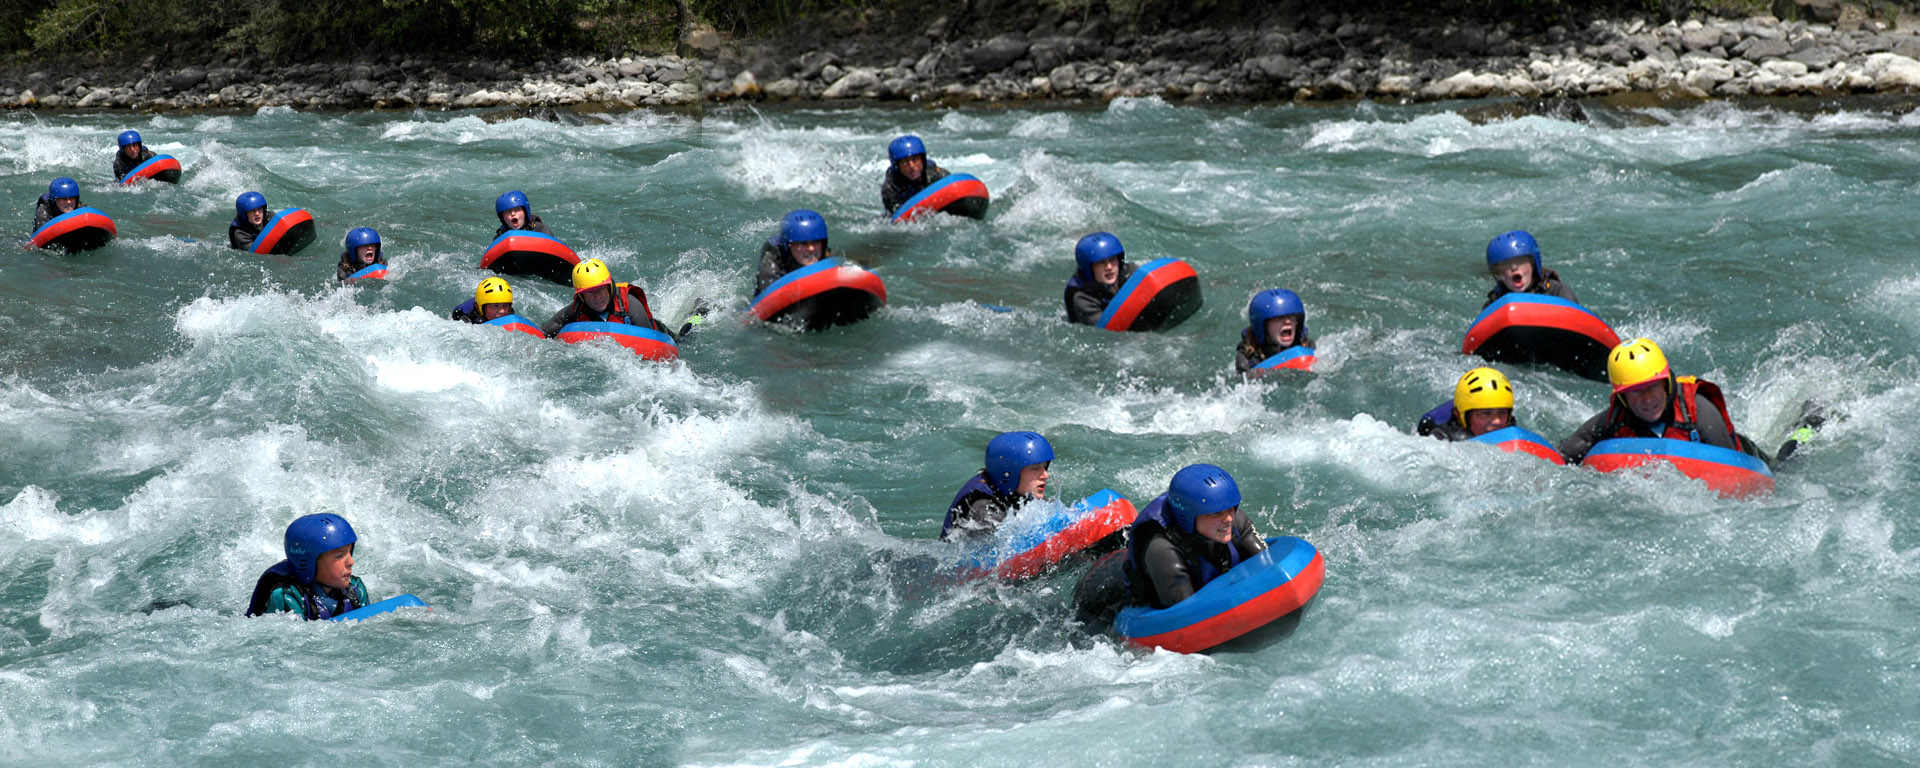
column 979, row 514
column 1246, row 537
column 769, row 268
column 1166, row 571
column 42, row 213
column 1713, row 427
column 541, row 227
column 566, row 315
column 1575, row 447
column 1561, row 290
column 934, row 172
column 239, row 239
column 891, row 194
column 1243, row 360
column 343, row 269
column 1084, row 308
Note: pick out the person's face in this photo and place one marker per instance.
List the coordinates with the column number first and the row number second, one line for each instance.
column 1106, row 272
column 1647, row 401
column 1483, row 420
column 1515, row 273
column 1217, row 526
column 1033, row 480
column 911, row 167
column 809, row 252
column 1283, row 330
column 514, row 218
column 496, row 310
column 598, row 298
column 335, row 568
column 66, row 204
column 257, row 216
column 367, row 253
column 130, row 150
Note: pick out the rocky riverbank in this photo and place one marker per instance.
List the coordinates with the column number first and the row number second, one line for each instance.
column 1330, row 57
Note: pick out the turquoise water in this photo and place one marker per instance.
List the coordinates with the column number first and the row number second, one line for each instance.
column 732, row 560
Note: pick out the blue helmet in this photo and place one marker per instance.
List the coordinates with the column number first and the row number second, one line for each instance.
column 1096, row 248
column 1200, row 489
column 63, row 187
column 1513, row 245
column 905, row 147
column 360, row 236
column 803, row 226
column 249, row 201
column 1269, row 304
column 1011, row 452
column 311, row 536
column 129, row 137
column 510, row 201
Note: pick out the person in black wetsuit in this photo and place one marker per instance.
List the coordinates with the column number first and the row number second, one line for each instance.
column 1016, row 470
column 1187, row 537
column 62, row 197
column 597, row 298
column 1276, row 322
column 316, row 580
column 1482, row 402
column 251, row 216
column 1514, row 260
column 801, row 241
column 132, row 153
column 516, row 213
column 1649, row 401
column 363, row 250
column 909, row 173
column 1100, row 269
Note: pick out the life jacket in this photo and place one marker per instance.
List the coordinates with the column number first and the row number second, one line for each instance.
column 315, row 605
column 618, row 311
column 1154, row 519
column 975, row 488
column 1683, row 423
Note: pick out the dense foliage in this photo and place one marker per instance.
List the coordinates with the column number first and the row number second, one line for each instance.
column 302, row 29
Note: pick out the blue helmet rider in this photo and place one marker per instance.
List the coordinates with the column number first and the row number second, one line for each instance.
column 311, row 536
column 248, row 202
column 904, row 147
column 1199, row 490
column 363, row 250
column 514, row 211
column 64, row 188
column 1513, row 245
column 129, row 138
column 1010, row 453
column 62, row 197
column 1095, row 248
column 1274, row 304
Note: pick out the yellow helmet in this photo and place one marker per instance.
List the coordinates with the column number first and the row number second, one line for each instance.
column 1634, row 363
column 492, row 290
column 590, row 274
column 1481, row 388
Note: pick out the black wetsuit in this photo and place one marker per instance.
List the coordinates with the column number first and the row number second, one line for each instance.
column 636, row 312
column 45, row 210
column 976, row 510
column 1547, row 283
column 898, row 189
column 1166, row 566
column 1250, row 353
column 1439, row 423
column 534, row 224
column 316, row 601
column 240, row 234
column 1087, row 299
column 776, row 261
column 349, row 264
column 122, row 165
column 467, row 312
column 1709, row 426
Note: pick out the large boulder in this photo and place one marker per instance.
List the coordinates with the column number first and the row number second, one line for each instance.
column 994, row 55
column 853, row 84
column 1892, row 72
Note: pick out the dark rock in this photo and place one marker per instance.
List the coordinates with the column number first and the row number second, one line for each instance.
column 812, row 63
column 360, row 87
column 994, row 55
column 186, row 78
column 1817, row 57
column 1275, row 67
